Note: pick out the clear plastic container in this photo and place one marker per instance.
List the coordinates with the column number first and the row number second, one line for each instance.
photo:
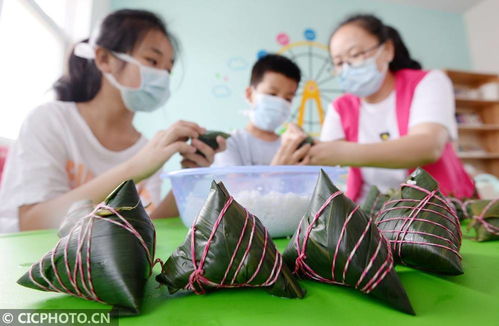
column 277, row 195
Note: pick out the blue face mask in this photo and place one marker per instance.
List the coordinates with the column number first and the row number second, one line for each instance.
column 154, row 89
column 362, row 80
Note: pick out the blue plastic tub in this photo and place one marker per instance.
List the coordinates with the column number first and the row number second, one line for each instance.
column 278, row 195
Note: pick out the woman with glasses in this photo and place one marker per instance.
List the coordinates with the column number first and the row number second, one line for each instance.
column 394, row 116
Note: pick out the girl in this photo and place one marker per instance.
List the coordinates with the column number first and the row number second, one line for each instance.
column 84, row 145
column 394, row 117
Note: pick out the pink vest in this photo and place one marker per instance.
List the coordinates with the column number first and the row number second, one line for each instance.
column 447, row 170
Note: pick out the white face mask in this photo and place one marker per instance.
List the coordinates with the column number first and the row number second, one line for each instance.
column 269, row 112
column 154, row 89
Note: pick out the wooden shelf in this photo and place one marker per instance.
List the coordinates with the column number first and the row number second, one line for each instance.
column 471, row 79
column 479, row 156
column 474, row 104
column 478, row 128
column 485, row 135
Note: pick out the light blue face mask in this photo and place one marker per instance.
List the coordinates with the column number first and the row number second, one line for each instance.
column 362, row 80
column 154, row 89
column 269, row 112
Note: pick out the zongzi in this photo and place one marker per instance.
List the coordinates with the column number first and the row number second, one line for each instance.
column 422, row 228
column 228, row 247
column 106, row 257
column 210, row 139
column 460, row 206
column 373, row 202
column 309, row 140
column 485, row 219
column 336, row 243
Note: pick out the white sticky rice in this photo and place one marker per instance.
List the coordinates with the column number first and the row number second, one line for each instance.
column 280, row 213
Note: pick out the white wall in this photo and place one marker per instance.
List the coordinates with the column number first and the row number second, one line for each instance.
column 100, row 8
column 482, row 24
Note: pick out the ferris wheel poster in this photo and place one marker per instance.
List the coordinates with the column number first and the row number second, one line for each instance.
column 318, row 87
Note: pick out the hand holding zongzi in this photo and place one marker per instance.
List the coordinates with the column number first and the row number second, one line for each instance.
column 295, row 145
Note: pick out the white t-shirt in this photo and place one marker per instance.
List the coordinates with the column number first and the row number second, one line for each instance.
column 245, row 149
column 433, row 101
column 55, row 152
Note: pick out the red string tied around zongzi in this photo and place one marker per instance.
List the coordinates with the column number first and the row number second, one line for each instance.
column 197, row 280
column 372, row 209
column 426, row 205
column 370, row 284
column 481, row 218
column 82, row 269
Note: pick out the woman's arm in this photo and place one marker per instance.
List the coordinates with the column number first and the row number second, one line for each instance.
column 423, row 145
column 49, row 214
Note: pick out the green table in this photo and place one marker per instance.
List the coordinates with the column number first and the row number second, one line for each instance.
column 469, row 299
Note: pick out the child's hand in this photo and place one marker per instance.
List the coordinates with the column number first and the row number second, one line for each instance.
column 289, row 153
column 292, row 131
column 161, row 148
column 182, row 130
column 193, row 160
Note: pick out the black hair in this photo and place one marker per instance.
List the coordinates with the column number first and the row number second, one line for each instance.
column 374, row 26
column 274, row 63
column 120, row 31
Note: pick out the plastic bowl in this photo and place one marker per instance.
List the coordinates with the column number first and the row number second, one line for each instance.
column 277, row 195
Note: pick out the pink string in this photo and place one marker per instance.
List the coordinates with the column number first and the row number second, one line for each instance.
column 481, row 218
column 343, row 230
column 373, row 207
column 197, row 280
column 461, row 204
column 423, row 205
column 82, row 272
column 370, row 284
column 415, row 219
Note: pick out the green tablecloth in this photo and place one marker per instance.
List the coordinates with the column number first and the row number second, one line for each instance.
column 469, row 299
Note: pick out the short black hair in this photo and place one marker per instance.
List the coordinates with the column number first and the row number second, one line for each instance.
column 274, row 63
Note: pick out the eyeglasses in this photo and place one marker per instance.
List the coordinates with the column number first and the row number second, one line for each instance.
column 354, row 60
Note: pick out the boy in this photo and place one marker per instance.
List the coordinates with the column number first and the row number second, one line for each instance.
column 273, row 85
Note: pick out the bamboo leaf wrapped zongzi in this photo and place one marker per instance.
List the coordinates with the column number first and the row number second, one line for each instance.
column 373, row 202
column 228, row 247
column 336, row 243
column 308, row 140
column 422, row 228
column 460, row 206
column 210, row 139
column 106, row 257
column 485, row 219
